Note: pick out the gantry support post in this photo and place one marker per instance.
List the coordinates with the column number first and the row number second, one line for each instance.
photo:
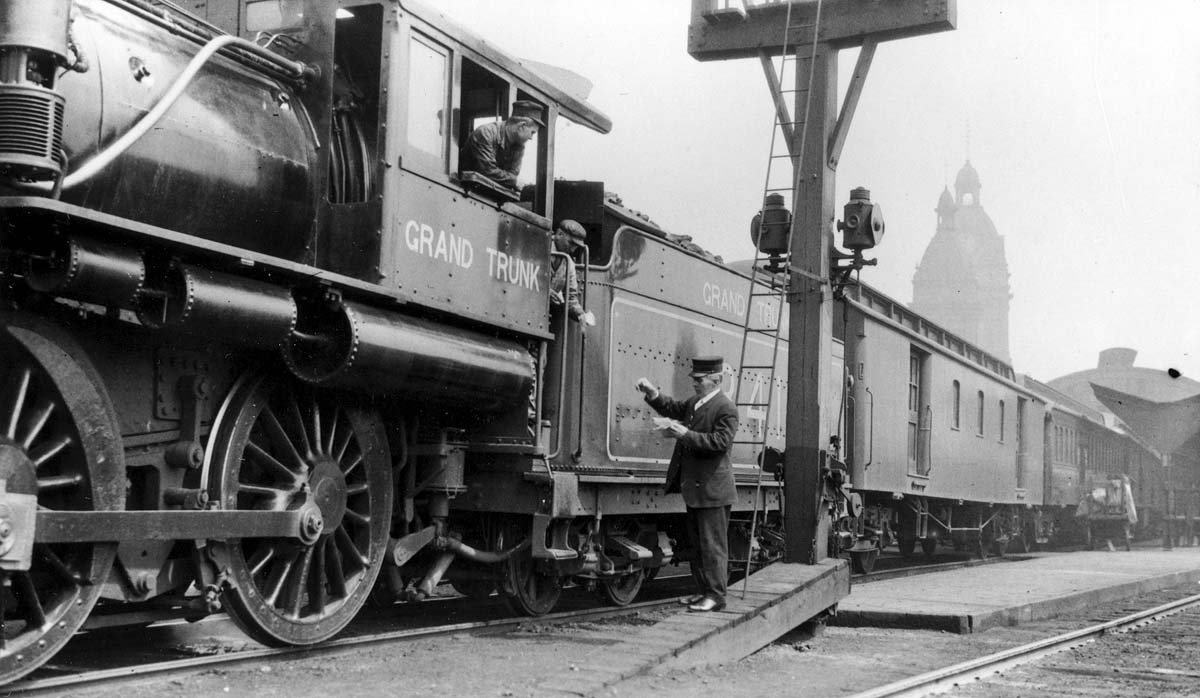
column 726, row 29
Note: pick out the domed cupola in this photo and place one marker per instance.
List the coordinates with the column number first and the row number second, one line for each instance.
column 961, row 282
column 945, row 210
column 967, row 185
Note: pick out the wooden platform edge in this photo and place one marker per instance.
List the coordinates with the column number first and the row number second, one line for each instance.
column 767, row 622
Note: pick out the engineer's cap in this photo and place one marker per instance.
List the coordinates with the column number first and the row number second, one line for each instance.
column 529, row 110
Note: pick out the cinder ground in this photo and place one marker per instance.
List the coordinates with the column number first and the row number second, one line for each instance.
column 840, row 662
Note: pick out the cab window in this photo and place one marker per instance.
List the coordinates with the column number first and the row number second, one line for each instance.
column 428, row 108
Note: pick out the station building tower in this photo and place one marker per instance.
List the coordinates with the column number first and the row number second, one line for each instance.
column 962, row 280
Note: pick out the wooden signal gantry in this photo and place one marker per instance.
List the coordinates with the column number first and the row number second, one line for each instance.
column 728, row 29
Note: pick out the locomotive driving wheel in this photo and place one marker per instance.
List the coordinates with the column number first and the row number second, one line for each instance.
column 59, row 440
column 278, row 447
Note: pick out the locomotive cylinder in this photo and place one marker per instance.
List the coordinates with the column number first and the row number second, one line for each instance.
column 369, row 349
column 208, row 303
column 33, row 44
column 89, row 271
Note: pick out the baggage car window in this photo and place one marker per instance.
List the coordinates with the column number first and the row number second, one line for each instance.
column 979, row 423
column 1001, row 425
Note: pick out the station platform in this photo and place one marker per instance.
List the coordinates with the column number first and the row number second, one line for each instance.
column 777, row 599
column 1016, row 590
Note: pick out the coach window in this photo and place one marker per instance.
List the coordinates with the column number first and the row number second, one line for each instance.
column 1001, row 421
column 956, row 416
column 1020, row 439
column 979, row 423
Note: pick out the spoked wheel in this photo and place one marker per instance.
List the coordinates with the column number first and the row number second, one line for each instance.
column 525, row 589
column 60, row 441
column 279, row 447
column 620, row 591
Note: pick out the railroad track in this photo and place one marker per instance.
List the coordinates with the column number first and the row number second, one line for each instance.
column 67, row 673
column 54, row 685
column 948, row 678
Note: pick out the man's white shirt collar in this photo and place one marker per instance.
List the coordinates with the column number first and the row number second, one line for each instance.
column 706, row 398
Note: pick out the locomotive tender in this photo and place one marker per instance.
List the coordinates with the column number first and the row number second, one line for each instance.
column 263, row 340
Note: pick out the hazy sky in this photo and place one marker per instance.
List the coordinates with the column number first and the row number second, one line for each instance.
column 1082, row 118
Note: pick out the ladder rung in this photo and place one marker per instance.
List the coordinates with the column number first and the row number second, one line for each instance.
column 752, row 404
column 763, row 330
column 757, row 366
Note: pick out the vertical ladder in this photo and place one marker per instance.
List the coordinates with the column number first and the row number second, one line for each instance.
column 755, row 393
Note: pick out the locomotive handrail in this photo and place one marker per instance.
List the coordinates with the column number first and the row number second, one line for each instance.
column 870, row 429
column 578, row 454
column 152, row 117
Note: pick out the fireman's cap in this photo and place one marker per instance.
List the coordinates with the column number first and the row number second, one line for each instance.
column 573, row 230
column 528, row 110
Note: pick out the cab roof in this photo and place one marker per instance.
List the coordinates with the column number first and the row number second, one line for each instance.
column 574, row 108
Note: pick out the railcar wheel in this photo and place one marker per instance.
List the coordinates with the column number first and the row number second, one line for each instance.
column 60, row 440
column 525, row 589
column 929, row 545
column 621, row 591
column 278, row 447
column 907, row 545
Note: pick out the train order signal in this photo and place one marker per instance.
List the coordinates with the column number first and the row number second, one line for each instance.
column 862, row 226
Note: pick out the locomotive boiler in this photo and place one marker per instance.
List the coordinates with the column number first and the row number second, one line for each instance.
column 268, row 350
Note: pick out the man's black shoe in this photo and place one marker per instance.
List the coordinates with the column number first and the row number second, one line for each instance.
column 689, row 600
column 706, row 605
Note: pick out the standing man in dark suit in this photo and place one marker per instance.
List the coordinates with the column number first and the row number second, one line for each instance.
column 702, row 471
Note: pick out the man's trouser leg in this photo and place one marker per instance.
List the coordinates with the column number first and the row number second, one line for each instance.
column 708, row 528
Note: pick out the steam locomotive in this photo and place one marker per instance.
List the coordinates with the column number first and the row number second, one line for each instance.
column 268, row 350
column 263, row 339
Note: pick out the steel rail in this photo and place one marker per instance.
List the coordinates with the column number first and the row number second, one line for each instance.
column 56, row 684
column 945, row 679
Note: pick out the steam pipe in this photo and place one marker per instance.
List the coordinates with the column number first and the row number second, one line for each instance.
column 481, row 556
column 452, row 547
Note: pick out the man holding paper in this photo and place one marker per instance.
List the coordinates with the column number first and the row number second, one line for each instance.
column 704, row 427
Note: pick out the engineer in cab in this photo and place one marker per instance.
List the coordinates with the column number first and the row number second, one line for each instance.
column 496, row 150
